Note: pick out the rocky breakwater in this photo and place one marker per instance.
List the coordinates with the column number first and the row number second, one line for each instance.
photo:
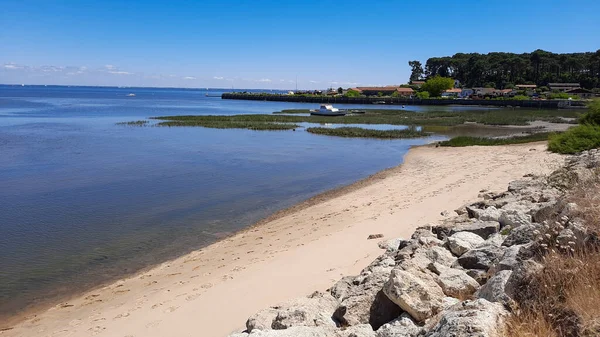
column 456, row 278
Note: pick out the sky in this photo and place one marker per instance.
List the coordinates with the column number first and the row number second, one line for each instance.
column 271, row 44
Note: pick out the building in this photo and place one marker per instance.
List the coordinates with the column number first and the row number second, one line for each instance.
column 452, row 92
column 466, row 93
column 405, row 91
column 563, row 87
column 386, row 91
column 581, row 93
column 417, row 83
column 526, row 87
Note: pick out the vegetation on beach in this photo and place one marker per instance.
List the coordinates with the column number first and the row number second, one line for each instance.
column 134, row 123
column 484, row 141
column 355, row 132
column 583, row 137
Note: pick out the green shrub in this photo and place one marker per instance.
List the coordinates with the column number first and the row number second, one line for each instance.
column 593, row 115
column 423, row 95
column 577, row 139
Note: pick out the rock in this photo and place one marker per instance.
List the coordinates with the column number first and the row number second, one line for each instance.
column 361, row 298
column 481, row 228
column 374, row 236
column 444, row 213
column 296, row 331
column 487, row 214
column 448, row 301
column 416, row 292
column 471, row 318
column 423, row 232
column 429, row 241
column 520, row 235
column 362, row 330
column 514, row 218
column 454, row 282
column 493, row 290
column 422, row 257
column 403, row 326
column 513, row 256
column 523, row 272
column 481, row 276
column 390, row 245
column 461, row 242
column 481, row 258
column 315, row 310
column 262, row 320
column 494, row 240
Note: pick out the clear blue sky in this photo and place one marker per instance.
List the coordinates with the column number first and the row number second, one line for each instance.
column 266, row 44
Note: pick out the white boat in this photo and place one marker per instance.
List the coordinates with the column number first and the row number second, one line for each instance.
column 327, row 110
column 131, row 95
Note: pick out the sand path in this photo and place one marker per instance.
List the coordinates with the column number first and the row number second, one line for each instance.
column 212, row 291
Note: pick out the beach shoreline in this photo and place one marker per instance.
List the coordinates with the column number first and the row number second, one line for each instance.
column 291, row 253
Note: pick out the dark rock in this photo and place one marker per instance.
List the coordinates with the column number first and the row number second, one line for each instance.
column 481, row 258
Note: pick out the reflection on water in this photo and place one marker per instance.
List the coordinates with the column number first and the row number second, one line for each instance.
column 84, row 200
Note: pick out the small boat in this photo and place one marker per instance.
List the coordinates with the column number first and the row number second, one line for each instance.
column 130, row 95
column 327, row 110
column 379, row 102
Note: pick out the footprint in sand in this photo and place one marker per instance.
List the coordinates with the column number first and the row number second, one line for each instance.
column 192, row 297
column 75, row 322
column 206, row 286
column 96, row 330
column 121, row 291
column 153, row 324
column 170, row 309
column 156, row 305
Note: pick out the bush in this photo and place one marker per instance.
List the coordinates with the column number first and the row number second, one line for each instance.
column 592, row 117
column 575, row 140
column 423, row 95
column 437, row 85
column 352, row 93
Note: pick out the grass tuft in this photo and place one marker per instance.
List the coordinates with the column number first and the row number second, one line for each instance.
column 482, row 141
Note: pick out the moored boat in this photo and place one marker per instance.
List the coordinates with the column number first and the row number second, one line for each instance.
column 327, row 110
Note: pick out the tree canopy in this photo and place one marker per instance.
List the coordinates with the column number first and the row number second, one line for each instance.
column 436, row 85
column 504, row 69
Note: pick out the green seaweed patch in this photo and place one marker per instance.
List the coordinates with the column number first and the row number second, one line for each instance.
column 355, row 132
column 134, row 123
column 230, row 124
column 463, row 141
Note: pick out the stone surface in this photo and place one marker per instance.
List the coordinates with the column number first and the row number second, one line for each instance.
column 297, row 331
column 454, row 282
column 494, row 240
column 403, row 326
column 488, row 214
column 416, row 292
column 520, row 235
column 514, row 218
column 262, row 320
column 390, row 245
column 471, row 318
column 481, row 258
column 361, row 298
column 493, row 290
column 315, row 310
column 481, row 228
column 461, row 242
column 362, row 330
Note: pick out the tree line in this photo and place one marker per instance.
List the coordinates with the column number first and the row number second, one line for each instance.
column 504, row 70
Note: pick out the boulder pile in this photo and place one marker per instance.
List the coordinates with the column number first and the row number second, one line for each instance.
column 455, row 278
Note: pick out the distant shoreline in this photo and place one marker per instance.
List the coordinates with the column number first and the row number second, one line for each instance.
column 537, row 104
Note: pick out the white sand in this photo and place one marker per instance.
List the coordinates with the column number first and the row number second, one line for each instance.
column 212, row 291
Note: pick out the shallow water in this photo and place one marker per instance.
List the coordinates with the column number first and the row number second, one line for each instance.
column 84, row 201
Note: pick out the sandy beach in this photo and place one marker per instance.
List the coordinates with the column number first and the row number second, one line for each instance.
column 308, row 247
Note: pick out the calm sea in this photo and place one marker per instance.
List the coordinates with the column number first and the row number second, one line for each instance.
column 84, row 201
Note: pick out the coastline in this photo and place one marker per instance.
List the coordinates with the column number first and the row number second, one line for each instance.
column 291, row 253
